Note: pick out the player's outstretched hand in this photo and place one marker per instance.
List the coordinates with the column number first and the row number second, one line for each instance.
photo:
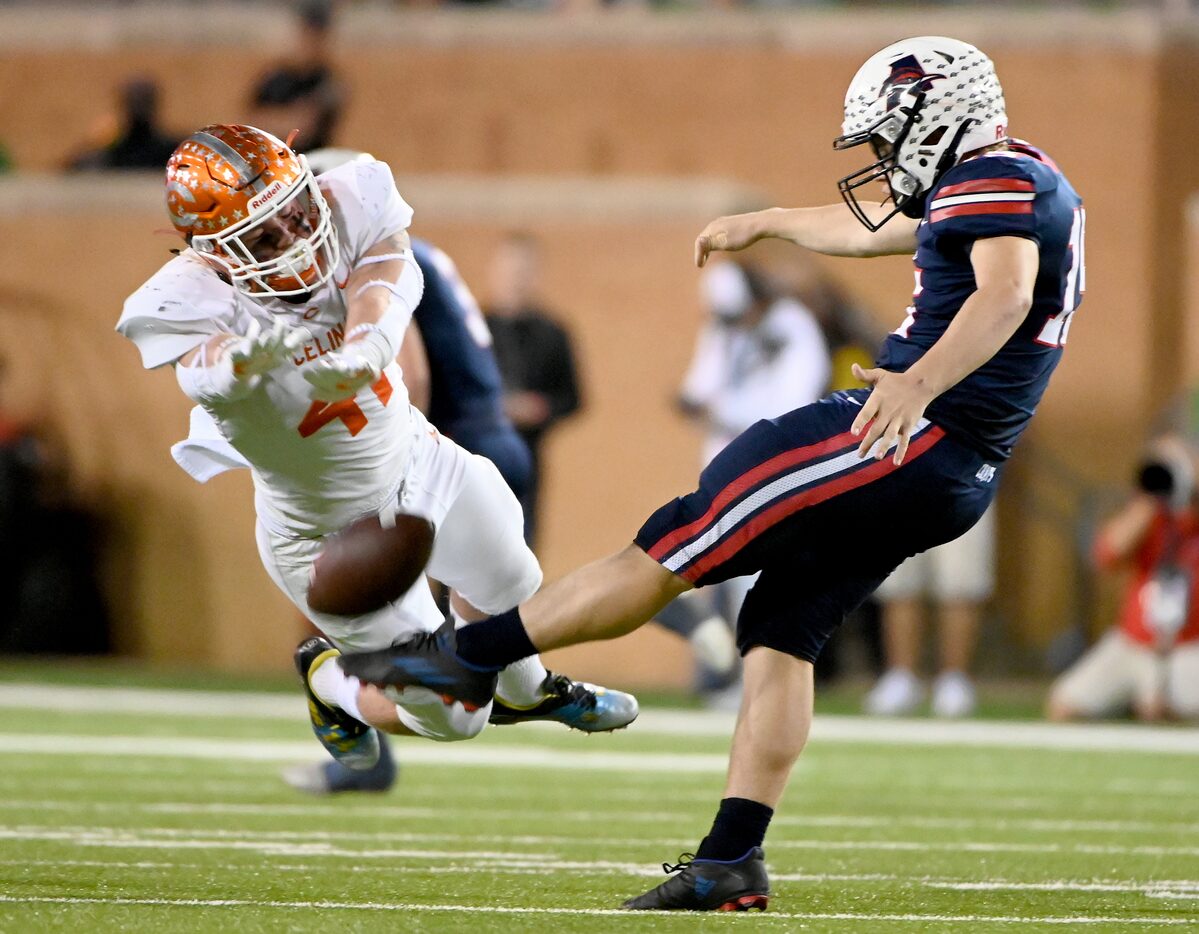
column 735, row 232
column 340, row 375
column 261, row 351
column 889, row 416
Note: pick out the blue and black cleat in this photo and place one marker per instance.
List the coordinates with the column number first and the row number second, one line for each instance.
column 331, row 778
column 428, row 660
column 351, row 742
column 579, row 705
column 709, row 885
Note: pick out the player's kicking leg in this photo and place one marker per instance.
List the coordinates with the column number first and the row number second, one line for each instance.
column 481, row 554
column 789, row 497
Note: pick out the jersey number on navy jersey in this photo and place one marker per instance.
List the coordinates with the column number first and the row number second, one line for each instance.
column 1058, row 326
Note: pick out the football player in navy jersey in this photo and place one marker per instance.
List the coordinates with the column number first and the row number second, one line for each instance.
column 828, row 499
column 465, row 393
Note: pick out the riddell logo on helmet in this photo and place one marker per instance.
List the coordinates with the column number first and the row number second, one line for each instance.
column 266, row 196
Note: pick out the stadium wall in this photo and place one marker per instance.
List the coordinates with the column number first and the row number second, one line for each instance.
column 743, row 98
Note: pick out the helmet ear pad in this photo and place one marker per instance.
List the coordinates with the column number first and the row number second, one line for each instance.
column 913, row 207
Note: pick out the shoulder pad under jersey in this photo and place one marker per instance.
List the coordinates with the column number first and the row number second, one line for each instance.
column 176, row 310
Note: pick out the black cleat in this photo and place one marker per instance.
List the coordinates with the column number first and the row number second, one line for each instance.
column 351, row 742
column 581, row 706
column 332, row 778
column 709, row 885
column 428, row 660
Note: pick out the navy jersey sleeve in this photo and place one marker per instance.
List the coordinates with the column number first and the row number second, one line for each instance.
column 991, row 196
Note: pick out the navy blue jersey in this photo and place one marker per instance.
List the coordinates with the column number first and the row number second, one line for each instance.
column 1013, row 193
column 465, row 391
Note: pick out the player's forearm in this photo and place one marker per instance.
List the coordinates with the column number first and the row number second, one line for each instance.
column 831, row 229
column 986, row 322
column 372, row 285
column 206, row 374
column 382, row 293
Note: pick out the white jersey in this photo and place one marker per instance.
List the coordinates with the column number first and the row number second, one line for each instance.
column 316, row 466
column 741, row 375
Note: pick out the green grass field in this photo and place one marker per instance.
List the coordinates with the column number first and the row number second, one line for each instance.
column 159, row 810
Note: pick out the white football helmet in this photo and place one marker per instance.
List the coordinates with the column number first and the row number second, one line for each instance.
column 921, row 104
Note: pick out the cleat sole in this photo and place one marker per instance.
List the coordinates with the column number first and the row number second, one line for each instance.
column 746, row 903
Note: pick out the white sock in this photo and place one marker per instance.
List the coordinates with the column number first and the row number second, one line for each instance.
column 335, row 688
column 520, row 683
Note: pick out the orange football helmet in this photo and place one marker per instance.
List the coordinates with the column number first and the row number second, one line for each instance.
column 250, row 206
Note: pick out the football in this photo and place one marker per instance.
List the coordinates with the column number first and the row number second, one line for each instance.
column 366, row 566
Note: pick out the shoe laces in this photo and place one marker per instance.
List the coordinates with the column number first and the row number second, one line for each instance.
column 422, row 642
column 562, row 686
column 685, row 860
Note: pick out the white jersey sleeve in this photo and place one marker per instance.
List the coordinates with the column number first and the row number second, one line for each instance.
column 365, row 195
column 178, row 309
column 316, row 465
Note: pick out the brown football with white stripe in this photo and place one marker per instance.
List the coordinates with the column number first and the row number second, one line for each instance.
column 366, row 566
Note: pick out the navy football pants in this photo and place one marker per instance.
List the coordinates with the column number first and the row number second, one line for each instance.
column 790, row 498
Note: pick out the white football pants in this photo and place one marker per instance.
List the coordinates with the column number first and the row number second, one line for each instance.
column 479, row 550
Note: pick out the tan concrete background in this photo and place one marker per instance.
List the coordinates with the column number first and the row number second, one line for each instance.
column 757, row 105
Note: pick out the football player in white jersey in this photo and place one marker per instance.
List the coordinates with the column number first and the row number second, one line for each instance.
column 282, row 319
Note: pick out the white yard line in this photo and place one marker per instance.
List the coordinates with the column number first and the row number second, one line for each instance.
column 1019, row 794
column 829, row 728
column 488, row 810
column 588, row 912
column 536, row 864
column 455, row 754
column 334, row 843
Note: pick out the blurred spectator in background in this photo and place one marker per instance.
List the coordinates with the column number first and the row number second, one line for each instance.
column 48, row 551
column 759, row 354
column 537, row 362
column 956, row 579
column 131, row 138
column 851, row 332
column 1149, row 661
column 303, row 92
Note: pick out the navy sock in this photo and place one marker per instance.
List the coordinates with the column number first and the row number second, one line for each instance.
column 740, row 825
column 495, row 642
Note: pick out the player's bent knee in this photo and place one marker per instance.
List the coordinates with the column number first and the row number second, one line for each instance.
column 514, row 583
column 464, row 725
column 426, row 714
column 1060, row 710
column 1184, row 708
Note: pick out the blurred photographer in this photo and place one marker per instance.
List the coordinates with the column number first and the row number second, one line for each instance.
column 1150, row 660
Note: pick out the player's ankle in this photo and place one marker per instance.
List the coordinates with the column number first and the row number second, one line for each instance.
column 494, row 643
column 740, row 825
column 335, row 688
